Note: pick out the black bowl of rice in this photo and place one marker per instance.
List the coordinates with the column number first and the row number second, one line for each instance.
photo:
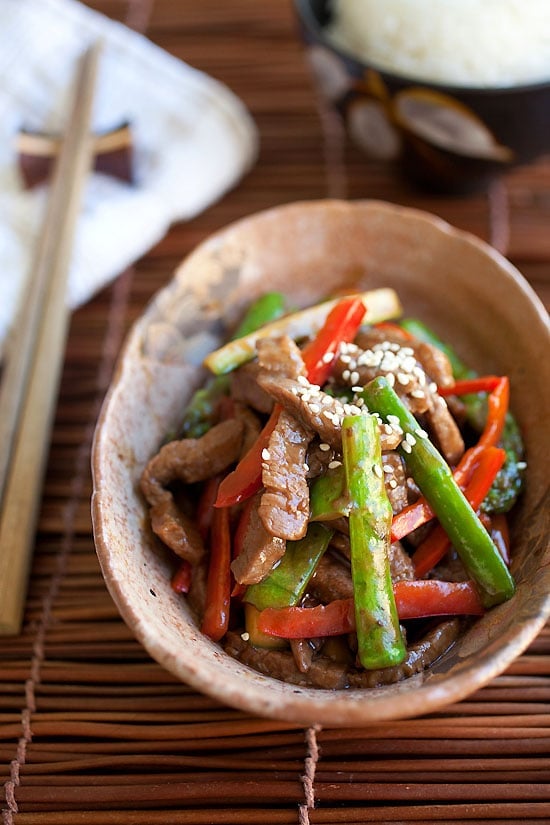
column 456, row 93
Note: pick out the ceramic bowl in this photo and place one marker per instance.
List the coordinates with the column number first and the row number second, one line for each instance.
column 443, row 137
column 456, row 283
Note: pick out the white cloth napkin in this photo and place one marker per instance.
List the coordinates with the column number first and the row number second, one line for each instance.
column 193, row 139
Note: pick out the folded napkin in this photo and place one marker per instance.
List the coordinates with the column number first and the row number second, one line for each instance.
column 193, row 139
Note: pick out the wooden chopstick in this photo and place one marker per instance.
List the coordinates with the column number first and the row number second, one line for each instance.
column 34, row 354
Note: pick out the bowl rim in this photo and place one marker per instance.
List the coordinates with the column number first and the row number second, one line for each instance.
column 309, row 21
column 306, row 706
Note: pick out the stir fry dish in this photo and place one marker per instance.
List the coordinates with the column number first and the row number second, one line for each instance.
column 336, row 499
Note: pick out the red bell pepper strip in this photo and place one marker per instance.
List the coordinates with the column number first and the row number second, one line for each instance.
column 420, row 511
column 205, row 506
column 434, row 547
column 483, row 383
column 341, row 324
column 181, row 580
column 500, row 534
column 414, row 599
column 218, row 587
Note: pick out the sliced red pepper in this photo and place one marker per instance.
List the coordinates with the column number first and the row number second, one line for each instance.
column 414, row 599
column 246, row 478
column 181, row 580
column 218, row 587
column 501, row 535
column 341, row 324
column 483, row 383
column 420, row 511
column 434, row 547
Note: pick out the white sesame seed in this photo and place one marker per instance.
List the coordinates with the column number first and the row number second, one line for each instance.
column 406, row 446
column 306, row 467
column 266, row 455
column 345, row 359
column 403, row 378
column 387, row 468
column 334, row 464
column 357, row 388
column 345, row 375
column 328, row 357
column 328, row 414
column 407, row 351
column 411, row 439
column 388, row 429
column 245, row 636
column 421, row 433
column 377, row 470
column 354, row 377
column 393, row 419
column 521, row 465
column 302, row 380
column 393, row 483
column 390, row 378
column 417, row 393
column 324, row 447
column 432, row 386
column 315, row 408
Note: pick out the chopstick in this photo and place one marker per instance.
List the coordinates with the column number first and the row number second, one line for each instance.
column 35, row 351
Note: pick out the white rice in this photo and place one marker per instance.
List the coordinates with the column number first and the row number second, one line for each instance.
column 459, row 42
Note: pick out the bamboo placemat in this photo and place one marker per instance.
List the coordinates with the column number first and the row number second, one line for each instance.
column 91, row 730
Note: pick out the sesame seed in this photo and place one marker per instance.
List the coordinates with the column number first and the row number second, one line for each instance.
column 406, row 446
column 354, row 377
column 403, row 378
column 521, row 465
column 388, row 429
column 345, row 375
column 327, row 357
column 345, row 359
column 306, row 467
column 393, row 419
column 390, row 378
column 387, row 468
column 245, row 636
column 302, row 380
column 266, row 455
column 357, row 388
column 315, row 408
column 421, row 433
column 324, row 447
column 393, row 483
column 328, row 414
column 411, row 439
column 432, row 386
column 417, row 393
column 334, row 464
column 377, row 470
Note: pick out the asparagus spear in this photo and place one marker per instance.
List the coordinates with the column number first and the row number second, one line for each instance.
column 287, row 582
column 199, row 413
column 328, row 497
column 380, row 643
column 434, row 478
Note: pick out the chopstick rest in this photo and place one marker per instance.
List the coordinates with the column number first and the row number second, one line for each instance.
column 34, row 354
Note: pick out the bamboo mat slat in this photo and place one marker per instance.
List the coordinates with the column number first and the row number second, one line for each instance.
column 92, row 732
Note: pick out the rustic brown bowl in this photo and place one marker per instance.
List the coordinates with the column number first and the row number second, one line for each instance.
column 443, row 137
column 455, row 282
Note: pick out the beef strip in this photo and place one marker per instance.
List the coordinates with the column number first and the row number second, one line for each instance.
column 280, row 664
column 325, row 673
column 245, row 388
column 395, row 480
column 260, row 550
column 284, row 508
column 445, row 430
column 251, row 424
column 318, row 459
column 189, row 460
column 279, row 357
column 420, row 655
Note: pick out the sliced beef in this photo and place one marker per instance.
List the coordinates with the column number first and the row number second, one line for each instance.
column 280, row 357
column 284, row 508
column 245, row 388
column 260, row 550
column 252, row 426
column 395, row 479
column 318, row 458
column 434, row 362
column 401, row 566
column 280, row 664
column 420, row 655
column 331, row 580
column 444, row 430
column 188, row 461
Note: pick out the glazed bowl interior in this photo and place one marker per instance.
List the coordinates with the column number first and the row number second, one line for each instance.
column 468, row 293
column 443, row 136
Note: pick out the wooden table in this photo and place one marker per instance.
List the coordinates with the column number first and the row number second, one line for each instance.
column 92, row 731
